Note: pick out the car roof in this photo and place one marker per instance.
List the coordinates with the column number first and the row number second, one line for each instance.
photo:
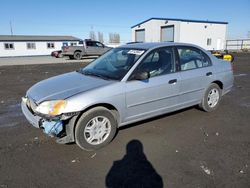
column 151, row 45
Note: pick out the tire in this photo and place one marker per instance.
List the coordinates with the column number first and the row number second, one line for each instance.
column 209, row 104
column 89, row 132
column 77, row 55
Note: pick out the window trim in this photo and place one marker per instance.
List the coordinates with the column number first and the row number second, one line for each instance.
column 167, row 26
column 8, row 44
column 191, row 47
column 146, row 56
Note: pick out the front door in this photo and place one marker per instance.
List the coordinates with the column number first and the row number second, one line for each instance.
column 159, row 93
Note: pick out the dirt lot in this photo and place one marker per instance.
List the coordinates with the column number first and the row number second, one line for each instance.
column 189, row 148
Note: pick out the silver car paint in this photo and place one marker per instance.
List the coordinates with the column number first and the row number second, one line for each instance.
column 64, row 86
column 135, row 100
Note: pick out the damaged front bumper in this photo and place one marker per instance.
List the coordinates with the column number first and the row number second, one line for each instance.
column 51, row 127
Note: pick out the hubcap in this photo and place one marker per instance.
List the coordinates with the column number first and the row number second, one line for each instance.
column 213, row 97
column 97, row 130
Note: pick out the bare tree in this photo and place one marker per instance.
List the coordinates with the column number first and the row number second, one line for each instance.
column 114, row 38
column 92, row 35
column 100, row 37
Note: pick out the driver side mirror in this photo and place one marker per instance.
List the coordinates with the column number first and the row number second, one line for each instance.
column 141, row 76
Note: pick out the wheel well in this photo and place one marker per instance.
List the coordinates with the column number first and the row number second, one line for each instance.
column 105, row 105
column 77, row 51
column 219, row 83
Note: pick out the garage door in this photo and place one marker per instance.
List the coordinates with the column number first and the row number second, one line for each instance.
column 167, row 33
column 140, row 35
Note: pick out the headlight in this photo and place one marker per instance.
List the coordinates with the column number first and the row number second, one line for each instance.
column 52, row 108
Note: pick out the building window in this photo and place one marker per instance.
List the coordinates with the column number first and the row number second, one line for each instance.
column 9, row 46
column 31, row 45
column 167, row 33
column 50, row 45
column 65, row 44
column 140, row 35
column 209, row 42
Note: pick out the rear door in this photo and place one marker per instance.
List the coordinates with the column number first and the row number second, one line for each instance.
column 196, row 73
column 159, row 93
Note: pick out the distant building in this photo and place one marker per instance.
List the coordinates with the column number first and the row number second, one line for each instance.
column 210, row 35
column 31, row 45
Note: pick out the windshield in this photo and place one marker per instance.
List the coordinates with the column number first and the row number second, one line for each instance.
column 114, row 64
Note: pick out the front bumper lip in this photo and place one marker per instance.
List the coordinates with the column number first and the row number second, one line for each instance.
column 33, row 119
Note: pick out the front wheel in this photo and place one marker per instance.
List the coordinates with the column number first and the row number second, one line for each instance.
column 95, row 129
column 211, row 99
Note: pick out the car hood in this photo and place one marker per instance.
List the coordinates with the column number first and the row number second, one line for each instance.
column 64, row 86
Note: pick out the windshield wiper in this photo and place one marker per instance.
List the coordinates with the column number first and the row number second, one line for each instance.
column 88, row 73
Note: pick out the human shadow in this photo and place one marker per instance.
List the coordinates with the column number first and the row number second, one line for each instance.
column 133, row 170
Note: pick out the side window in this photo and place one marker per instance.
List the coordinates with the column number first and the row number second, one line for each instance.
column 98, row 44
column 89, row 43
column 158, row 62
column 192, row 58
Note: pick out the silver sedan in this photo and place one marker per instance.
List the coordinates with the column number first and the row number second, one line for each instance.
column 125, row 85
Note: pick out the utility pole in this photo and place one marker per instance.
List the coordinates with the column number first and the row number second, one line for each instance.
column 11, row 31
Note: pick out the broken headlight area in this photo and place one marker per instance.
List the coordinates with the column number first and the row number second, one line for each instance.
column 50, row 117
column 56, row 126
column 51, row 128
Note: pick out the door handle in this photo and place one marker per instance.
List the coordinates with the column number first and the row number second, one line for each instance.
column 209, row 74
column 172, row 81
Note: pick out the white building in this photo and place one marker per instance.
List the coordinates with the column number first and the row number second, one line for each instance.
column 26, row 45
column 210, row 35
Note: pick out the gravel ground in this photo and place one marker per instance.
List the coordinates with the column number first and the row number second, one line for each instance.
column 188, row 148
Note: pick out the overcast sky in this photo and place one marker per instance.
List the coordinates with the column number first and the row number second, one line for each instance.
column 78, row 17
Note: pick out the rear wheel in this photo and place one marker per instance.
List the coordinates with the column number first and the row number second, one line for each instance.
column 95, row 128
column 77, row 55
column 211, row 99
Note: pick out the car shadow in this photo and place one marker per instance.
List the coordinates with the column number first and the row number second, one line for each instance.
column 157, row 117
column 133, row 170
